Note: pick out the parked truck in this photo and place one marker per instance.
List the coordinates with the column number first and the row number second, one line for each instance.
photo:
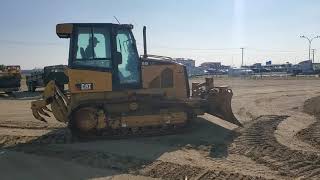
column 40, row 78
column 10, row 78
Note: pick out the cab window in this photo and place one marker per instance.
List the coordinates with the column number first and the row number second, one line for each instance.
column 93, row 47
column 129, row 68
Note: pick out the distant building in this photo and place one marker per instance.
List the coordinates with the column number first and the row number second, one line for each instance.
column 278, row 67
column 268, row 63
column 257, row 65
column 239, row 72
column 187, row 62
column 213, row 65
column 306, row 67
column 214, row 68
column 259, row 68
column 316, row 67
column 190, row 66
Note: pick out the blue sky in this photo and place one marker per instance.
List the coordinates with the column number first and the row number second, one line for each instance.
column 205, row 30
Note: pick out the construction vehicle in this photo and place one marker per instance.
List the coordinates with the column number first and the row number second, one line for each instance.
column 40, row 78
column 35, row 80
column 114, row 91
column 10, row 78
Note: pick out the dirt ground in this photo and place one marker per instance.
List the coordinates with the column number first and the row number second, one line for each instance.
column 279, row 140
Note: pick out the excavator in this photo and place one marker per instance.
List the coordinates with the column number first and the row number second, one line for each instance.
column 113, row 90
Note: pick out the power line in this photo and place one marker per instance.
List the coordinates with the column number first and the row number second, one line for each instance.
column 186, row 48
column 224, row 49
column 29, row 43
column 214, row 51
column 273, row 50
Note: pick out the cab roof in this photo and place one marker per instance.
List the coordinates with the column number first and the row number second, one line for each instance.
column 64, row 30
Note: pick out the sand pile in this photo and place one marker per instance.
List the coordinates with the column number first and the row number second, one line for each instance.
column 312, row 106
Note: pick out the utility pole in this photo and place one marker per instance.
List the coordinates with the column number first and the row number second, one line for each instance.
column 309, row 40
column 241, row 56
column 313, row 55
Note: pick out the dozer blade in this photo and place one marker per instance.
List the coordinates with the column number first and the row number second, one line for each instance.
column 218, row 100
column 219, row 104
column 58, row 101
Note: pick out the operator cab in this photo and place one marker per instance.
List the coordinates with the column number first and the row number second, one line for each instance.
column 104, row 47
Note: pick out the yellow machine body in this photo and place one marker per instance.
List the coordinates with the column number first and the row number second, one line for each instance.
column 123, row 92
column 171, row 78
column 102, row 81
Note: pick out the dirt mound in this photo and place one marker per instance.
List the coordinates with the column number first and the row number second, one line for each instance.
column 259, row 143
column 311, row 134
column 312, row 106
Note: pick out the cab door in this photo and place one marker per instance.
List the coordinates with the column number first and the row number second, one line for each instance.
column 129, row 67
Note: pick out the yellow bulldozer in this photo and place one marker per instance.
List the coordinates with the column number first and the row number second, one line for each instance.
column 113, row 90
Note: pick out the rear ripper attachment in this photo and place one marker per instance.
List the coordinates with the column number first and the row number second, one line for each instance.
column 217, row 100
column 59, row 104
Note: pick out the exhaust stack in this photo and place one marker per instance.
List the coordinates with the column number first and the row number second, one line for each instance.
column 145, row 54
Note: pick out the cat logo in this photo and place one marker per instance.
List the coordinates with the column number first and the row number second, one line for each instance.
column 85, row 86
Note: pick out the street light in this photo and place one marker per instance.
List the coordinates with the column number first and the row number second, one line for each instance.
column 310, row 40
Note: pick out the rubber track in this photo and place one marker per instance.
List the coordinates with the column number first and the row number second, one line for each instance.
column 259, row 143
column 168, row 170
column 128, row 133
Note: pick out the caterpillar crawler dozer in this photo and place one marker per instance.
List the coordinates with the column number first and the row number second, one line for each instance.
column 112, row 90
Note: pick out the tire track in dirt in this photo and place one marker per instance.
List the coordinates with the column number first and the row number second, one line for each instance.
column 286, row 133
column 95, row 159
column 64, row 135
column 9, row 140
column 59, row 136
column 311, row 134
column 133, row 165
column 129, row 164
column 29, row 126
column 259, row 143
column 168, row 170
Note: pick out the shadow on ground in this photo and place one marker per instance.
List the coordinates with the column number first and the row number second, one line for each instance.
column 110, row 157
column 21, row 95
